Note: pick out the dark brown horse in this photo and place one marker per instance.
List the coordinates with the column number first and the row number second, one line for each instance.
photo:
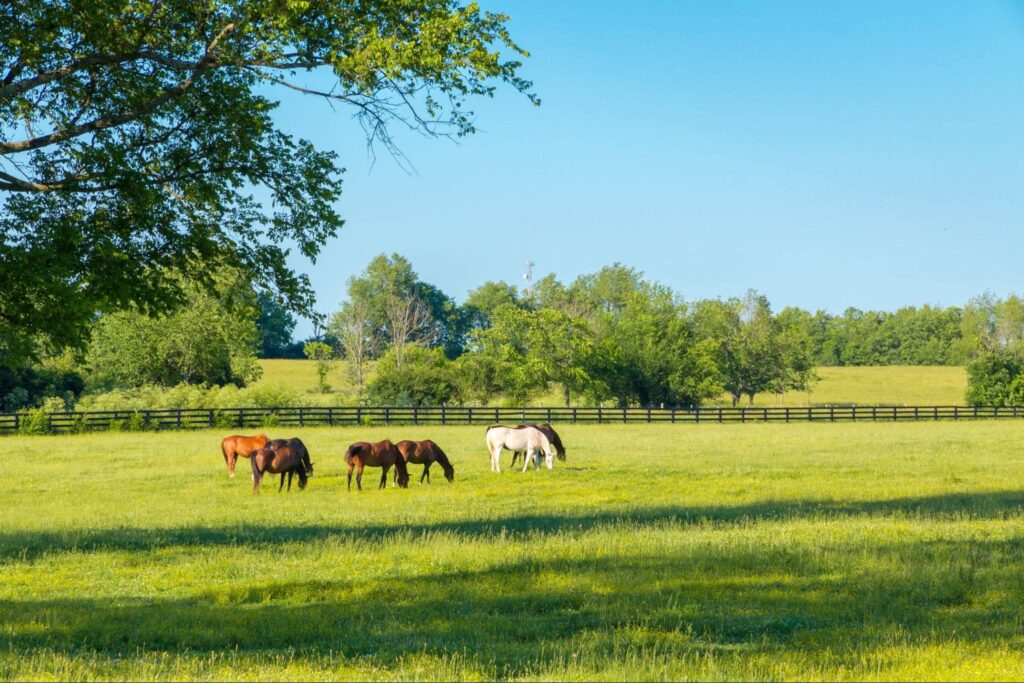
column 284, row 460
column 382, row 454
column 552, row 435
column 426, row 453
column 234, row 446
column 300, row 448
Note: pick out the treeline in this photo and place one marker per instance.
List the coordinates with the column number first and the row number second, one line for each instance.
column 610, row 337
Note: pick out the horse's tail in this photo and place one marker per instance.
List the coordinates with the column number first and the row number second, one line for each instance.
column 256, row 474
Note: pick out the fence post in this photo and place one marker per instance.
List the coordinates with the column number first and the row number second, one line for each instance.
column 874, row 413
column 549, row 415
column 743, row 414
column 330, row 416
column 574, row 415
column 624, row 419
column 415, row 415
column 935, row 410
column 17, row 421
column 956, row 413
column 302, row 412
column 209, row 418
column 470, row 415
column 387, row 415
column 599, row 415
column 444, row 418
column 673, row 415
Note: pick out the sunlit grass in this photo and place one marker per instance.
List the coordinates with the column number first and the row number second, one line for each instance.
column 842, row 551
column 888, row 385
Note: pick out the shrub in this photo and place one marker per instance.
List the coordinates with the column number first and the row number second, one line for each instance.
column 34, row 421
column 996, row 378
column 137, row 423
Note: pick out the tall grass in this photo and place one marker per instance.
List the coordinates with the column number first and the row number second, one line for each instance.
column 844, row 551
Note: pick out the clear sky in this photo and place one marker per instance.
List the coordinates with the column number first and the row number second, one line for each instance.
column 829, row 154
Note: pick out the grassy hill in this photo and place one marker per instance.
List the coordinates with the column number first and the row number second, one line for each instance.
column 899, row 385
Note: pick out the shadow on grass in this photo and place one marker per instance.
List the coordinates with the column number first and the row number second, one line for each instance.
column 24, row 545
column 533, row 615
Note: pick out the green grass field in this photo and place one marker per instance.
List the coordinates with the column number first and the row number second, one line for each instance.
column 803, row 551
column 891, row 385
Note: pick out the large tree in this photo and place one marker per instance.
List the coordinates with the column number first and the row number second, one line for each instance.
column 137, row 141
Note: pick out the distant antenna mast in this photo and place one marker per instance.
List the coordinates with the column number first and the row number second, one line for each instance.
column 528, row 276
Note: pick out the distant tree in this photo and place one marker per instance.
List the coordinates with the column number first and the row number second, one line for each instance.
column 996, row 378
column 485, row 299
column 402, row 309
column 424, row 377
column 323, row 355
column 212, row 340
column 276, row 325
column 356, row 337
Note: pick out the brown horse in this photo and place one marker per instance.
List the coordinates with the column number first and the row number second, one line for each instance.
column 284, row 460
column 382, row 454
column 552, row 435
column 234, row 446
column 426, row 453
column 300, row 448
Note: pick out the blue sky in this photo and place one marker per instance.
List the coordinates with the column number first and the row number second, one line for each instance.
column 828, row 154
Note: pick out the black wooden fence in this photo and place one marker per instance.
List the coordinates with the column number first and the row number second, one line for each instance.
column 241, row 418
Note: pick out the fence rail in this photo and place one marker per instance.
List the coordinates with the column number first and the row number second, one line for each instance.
column 240, row 418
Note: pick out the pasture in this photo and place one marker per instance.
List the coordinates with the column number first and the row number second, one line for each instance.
column 802, row 551
column 883, row 385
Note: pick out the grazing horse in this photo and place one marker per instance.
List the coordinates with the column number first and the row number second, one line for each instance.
column 285, row 459
column 528, row 439
column 552, row 435
column 425, row 453
column 234, row 446
column 300, row 448
column 383, row 454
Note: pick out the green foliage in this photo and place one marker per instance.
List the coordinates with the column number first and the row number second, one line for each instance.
column 996, row 378
column 275, row 325
column 425, row 377
column 212, row 340
column 323, row 355
column 394, row 307
column 34, row 422
column 483, row 301
column 26, row 387
column 145, row 144
column 137, row 423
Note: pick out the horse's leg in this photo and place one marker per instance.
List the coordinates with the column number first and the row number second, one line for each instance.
column 495, row 456
column 359, row 475
column 550, row 460
column 515, row 456
column 232, row 459
column 350, row 467
column 280, row 486
column 426, row 473
column 384, row 476
column 527, row 458
column 290, row 473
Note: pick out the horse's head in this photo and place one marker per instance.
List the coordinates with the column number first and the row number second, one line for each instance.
column 309, row 468
column 561, row 454
column 403, row 478
column 449, row 472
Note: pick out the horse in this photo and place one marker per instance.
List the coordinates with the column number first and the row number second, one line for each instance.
column 301, row 449
column 425, row 453
column 552, row 435
column 383, row 454
column 282, row 460
column 234, row 446
column 529, row 439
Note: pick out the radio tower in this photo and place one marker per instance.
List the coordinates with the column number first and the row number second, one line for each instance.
column 528, row 276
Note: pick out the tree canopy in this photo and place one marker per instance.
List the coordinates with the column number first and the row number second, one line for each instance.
column 137, row 141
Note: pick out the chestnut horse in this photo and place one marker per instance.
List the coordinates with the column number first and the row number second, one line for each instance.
column 283, row 460
column 426, row 453
column 300, row 448
column 383, row 454
column 552, row 435
column 234, row 446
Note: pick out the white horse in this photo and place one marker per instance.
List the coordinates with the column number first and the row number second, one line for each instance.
column 529, row 439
